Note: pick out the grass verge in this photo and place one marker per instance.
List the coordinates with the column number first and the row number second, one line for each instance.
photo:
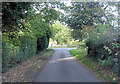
column 105, row 74
column 27, row 71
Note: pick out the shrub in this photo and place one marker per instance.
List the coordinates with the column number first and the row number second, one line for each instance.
column 14, row 54
column 116, row 70
column 96, row 43
column 106, row 63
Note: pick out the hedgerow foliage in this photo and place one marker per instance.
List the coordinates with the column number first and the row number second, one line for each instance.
column 92, row 22
column 104, row 48
column 25, row 44
column 27, row 33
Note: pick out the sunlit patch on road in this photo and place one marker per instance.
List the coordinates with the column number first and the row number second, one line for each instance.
column 62, row 59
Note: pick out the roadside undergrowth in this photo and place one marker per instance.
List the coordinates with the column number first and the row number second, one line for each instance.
column 105, row 74
column 26, row 71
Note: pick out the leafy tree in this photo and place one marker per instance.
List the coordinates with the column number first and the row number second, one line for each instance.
column 26, row 32
column 49, row 10
column 61, row 33
column 13, row 13
column 84, row 14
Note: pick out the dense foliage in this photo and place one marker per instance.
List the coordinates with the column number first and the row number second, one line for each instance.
column 61, row 33
column 27, row 28
column 92, row 22
column 11, row 16
column 25, row 32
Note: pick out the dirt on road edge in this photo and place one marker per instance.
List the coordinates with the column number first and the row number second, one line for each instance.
column 27, row 71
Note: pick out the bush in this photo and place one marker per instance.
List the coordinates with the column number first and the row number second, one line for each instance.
column 31, row 37
column 14, row 54
column 96, row 43
column 81, row 45
column 116, row 70
column 106, row 63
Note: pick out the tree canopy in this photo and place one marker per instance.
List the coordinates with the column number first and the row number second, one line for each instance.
column 27, row 28
column 61, row 33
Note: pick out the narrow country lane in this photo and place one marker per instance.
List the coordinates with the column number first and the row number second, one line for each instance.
column 63, row 67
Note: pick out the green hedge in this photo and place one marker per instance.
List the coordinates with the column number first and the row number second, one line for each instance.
column 103, row 48
column 17, row 50
column 21, row 45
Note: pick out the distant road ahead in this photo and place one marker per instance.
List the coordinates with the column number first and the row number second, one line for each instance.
column 63, row 67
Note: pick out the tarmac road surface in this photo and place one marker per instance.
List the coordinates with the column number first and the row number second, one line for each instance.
column 63, row 67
